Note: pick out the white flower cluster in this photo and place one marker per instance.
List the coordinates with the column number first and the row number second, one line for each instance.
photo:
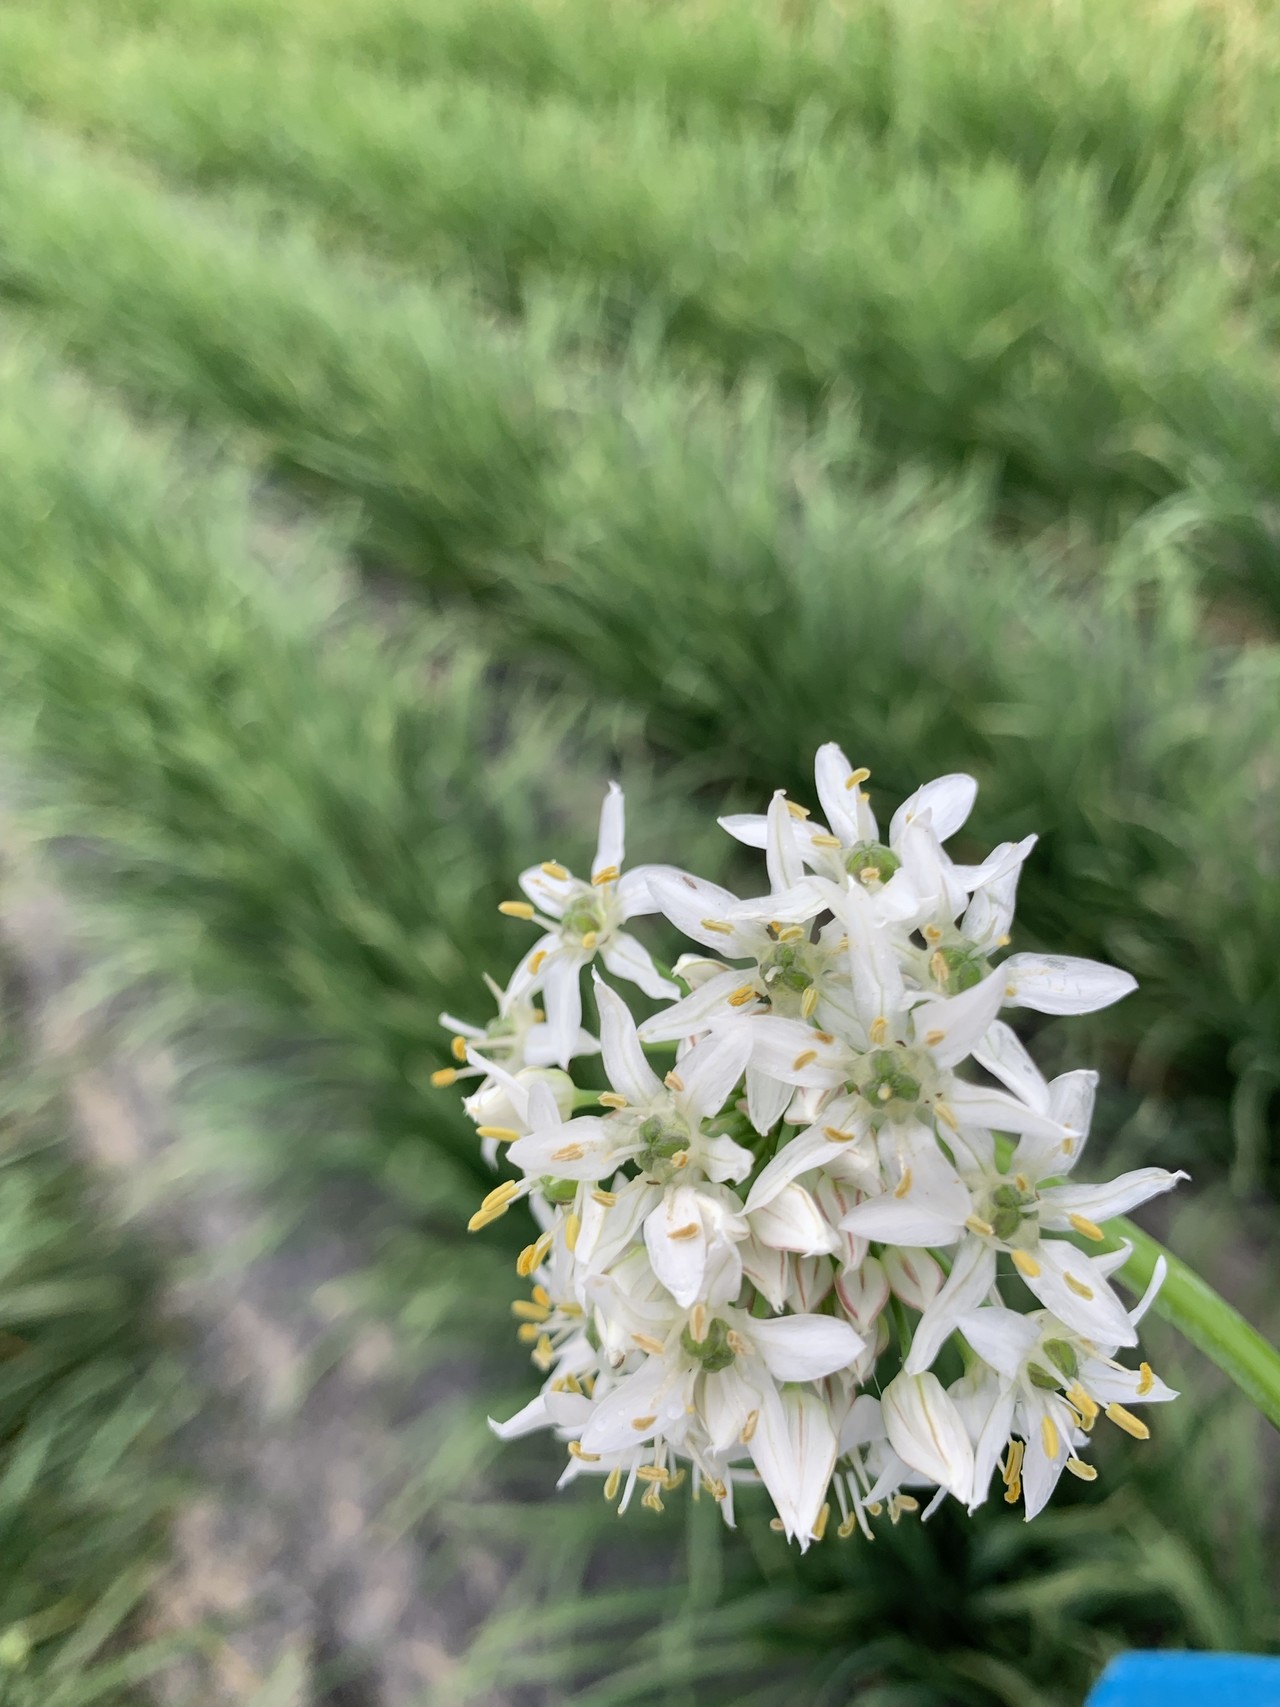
column 750, row 1263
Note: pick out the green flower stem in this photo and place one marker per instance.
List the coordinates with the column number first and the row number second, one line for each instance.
column 1211, row 1324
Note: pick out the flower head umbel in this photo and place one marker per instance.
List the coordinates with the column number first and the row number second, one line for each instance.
column 830, row 1116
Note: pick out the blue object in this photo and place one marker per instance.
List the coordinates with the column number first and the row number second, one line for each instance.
column 1188, row 1680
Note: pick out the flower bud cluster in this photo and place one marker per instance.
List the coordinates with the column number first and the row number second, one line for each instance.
column 791, row 1241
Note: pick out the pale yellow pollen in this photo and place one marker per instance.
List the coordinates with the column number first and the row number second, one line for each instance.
column 552, row 868
column 543, row 1353
column 610, row 874
column 590, row 939
column 976, row 1224
column 797, row 811
column 741, row 996
column 1049, row 1435
column 648, row 1343
column 516, row 909
column 1088, row 1229
column 939, row 968
column 680, row 1159
column 847, row 1528
column 875, row 1508
column 1020, row 1180
column 904, row 1184
column 535, row 965
column 606, row 1199
column 568, row 1153
column 736, row 1343
column 885, row 1093
column 932, row 933
column 777, row 1525
column 869, row 874
column 1146, row 1379
column 823, row 1037
column 1084, row 1403
column 1128, row 1422
column 572, row 1227
column 808, row 1002
column 803, row 1059
column 1003, row 940
column 1078, row 1286
column 689, row 1231
column 934, row 1038
column 540, row 1295
column 652, row 1501
column 907, row 1502
column 528, row 1333
column 879, row 1030
column 826, row 841
column 820, row 1527
column 718, row 926
column 946, row 1115
column 837, row 1136
column 674, row 1082
column 458, row 1048
column 1067, row 1146
column 528, row 1311
column 1010, row 991
column 698, row 1321
column 789, row 933
column 575, row 1451
column 611, row 1099
column 501, row 1134
column 1084, row 1472
column 749, row 1427
column 1011, row 1471
column 642, row 1423
column 855, row 777
column 533, row 1254
column 612, row 1482
column 1026, row 1264
column 443, row 1077
column 716, row 1488
column 651, row 1473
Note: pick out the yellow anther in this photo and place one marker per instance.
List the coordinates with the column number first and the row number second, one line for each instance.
column 879, row 1030
column 540, row 1295
column 610, row 874
column 502, row 1134
column 516, row 909
column 976, row 1224
column 907, row 1502
column 674, row 1082
column 797, row 811
column 528, row 1311
column 552, row 868
column 803, row 1059
column 652, row 1501
column 1078, row 1286
column 742, row 995
column 1085, row 1405
column 938, row 967
column 444, row 1076
column 1128, row 1422
column 1146, row 1379
column 789, row 933
column 1003, row 940
column 736, row 1343
column 837, row 1136
column 568, row 1153
column 875, row 1508
column 946, row 1115
column 651, row 1473
column 847, row 1528
column 808, row 1002
column 1067, row 1146
column 1011, row 1471
column 458, row 1048
column 934, row 1038
column 885, row 1093
column 535, row 965
column 529, row 1333
column 500, row 1194
column 718, row 926
column 1088, row 1229
column 680, row 1159
column 648, row 1343
column 904, row 1184
column 1022, row 1183
column 749, row 1427
column 715, row 1488
column 606, row 1199
column 698, row 1321
column 1010, row 991
column 869, row 874
column 1026, row 1264
column 640, row 1424
column 689, row 1231
column 543, row 1353
column 1084, row 1472
column 575, row 1451
column 823, row 1037
column 589, row 940
column 826, row 841
column 777, row 1525
column 820, row 1527
column 572, row 1227
column 612, row 1482
column 533, row 1254
column 611, row 1099
column 1049, row 1435
column 855, row 777
column 932, row 933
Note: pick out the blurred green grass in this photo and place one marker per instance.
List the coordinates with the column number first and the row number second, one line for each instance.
column 689, row 384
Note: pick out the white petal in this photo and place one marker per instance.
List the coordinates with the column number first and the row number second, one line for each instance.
column 927, row 1432
column 1003, row 1338
column 808, row 1150
column 950, row 1026
column 831, row 773
column 1102, row 1203
column 782, row 851
column 538, row 1414
column 1040, row 1469
column 913, row 1275
column 1002, row 1053
column 603, row 1144
column 629, row 959
column 634, row 897
column 524, row 980
column 804, row 1348
column 749, row 828
column 611, row 845
column 722, row 1159
column 790, row 1050
column 1061, row 984
column 999, row 1112
column 791, row 1221
column 562, row 997
column 794, row 1449
column 1097, row 1314
column 727, row 1402
column 540, row 1046
column 948, row 800
column 611, row 1427
column 898, row 1221
column 878, row 988
column 972, row 1275
column 551, row 894
column 1108, row 1384
column 863, row 1293
column 710, row 1070
column 767, row 1100
column 1008, row 857
column 629, row 1073
column 689, row 901
column 1158, row 1274
column 695, row 1012
column 679, row 1261
column 989, row 916
column 767, row 1269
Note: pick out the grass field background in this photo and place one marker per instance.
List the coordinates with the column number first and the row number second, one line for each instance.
column 412, row 414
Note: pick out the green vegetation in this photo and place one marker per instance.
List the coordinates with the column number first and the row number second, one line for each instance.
column 412, row 414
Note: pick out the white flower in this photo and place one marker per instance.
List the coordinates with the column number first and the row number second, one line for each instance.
column 928, row 1433
column 581, row 920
